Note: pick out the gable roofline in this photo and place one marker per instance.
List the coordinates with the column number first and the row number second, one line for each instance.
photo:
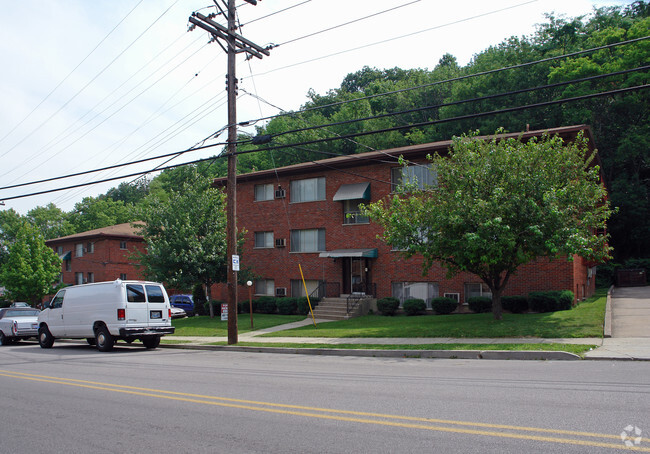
column 125, row 230
column 568, row 133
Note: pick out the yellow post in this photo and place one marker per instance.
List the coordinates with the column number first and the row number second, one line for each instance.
column 307, row 293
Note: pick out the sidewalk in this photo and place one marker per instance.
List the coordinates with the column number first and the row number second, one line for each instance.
column 628, row 313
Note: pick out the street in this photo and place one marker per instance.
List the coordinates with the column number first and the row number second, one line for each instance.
column 74, row 399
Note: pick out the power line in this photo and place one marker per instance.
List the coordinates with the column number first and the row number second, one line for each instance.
column 294, row 145
column 69, row 74
column 454, row 79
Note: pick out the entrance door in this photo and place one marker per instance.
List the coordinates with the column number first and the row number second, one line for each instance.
column 358, row 275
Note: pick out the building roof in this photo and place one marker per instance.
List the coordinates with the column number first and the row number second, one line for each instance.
column 568, row 133
column 125, row 230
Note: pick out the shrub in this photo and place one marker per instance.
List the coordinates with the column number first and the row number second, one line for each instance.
column 444, row 306
column 387, row 306
column 550, row 301
column 287, row 306
column 515, row 304
column 414, row 306
column 266, row 305
column 303, row 306
column 198, row 296
column 216, row 307
column 480, row 304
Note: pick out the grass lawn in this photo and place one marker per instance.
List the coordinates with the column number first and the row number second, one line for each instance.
column 207, row 327
column 584, row 320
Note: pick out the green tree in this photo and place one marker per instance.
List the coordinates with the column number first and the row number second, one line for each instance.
column 94, row 213
column 185, row 234
column 31, row 268
column 499, row 204
column 10, row 223
column 51, row 221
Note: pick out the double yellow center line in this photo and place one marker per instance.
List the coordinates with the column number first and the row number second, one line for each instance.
column 408, row 422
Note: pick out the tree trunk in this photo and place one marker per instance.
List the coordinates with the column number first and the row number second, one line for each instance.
column 208, row 297
column 497, row 309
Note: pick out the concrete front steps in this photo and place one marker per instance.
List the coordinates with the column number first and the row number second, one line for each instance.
column 336, row 309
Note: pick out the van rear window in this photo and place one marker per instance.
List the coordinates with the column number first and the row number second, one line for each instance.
column 135, row 293
column 155, row 294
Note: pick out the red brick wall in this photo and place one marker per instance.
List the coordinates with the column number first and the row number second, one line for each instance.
column 107, row 261
column 281, row 216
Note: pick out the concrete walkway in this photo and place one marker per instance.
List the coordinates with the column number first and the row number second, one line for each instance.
column 627, row 325
column 628, row 319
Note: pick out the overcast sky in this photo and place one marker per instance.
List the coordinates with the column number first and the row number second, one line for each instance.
column 92, row 83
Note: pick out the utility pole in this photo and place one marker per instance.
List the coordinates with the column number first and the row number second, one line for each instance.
column 235, row 44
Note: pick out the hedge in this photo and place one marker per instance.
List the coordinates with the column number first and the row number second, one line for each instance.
column 414, row 306
column 266, row 305
column 515, row 304
column 443, row 306
column 480, row 304
column 388, row 305
column 550, row 301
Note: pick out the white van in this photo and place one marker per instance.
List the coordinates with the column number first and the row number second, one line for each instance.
column 105, row 312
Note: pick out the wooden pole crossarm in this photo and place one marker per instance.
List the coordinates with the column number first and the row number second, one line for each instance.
column 240, row 41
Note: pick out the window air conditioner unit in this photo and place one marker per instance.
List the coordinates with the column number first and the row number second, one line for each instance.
column 280, row 193
column 280, row 242
column 280, row 291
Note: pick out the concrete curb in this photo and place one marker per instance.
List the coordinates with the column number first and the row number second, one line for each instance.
column 607, row 329
column 424, row 354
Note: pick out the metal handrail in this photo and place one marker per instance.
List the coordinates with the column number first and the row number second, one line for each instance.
column 353, row 300
column 326, row 289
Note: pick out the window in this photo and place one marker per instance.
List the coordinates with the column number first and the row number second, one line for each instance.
column 309, row 240
column 265, row 287
column 78, row 278
column 59, row 250
column 122, row 244
column 155, row 294
column 422, row 290
column 422, row 175
column 352, row 213
column 263, row 239
column 263, row 192
column 57, row 301
column 91, row 277
column 472, row 290
column 308, row 190
column 135, row 293
column 79, row 250
column 90, row 248
column 453, row 296
column 123, row 276
column 68, row 267
column 298, row 289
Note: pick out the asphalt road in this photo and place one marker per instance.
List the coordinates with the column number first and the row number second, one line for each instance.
column 74, row 399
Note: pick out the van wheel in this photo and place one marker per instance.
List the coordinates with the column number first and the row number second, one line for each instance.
column 151, row 341
column 45, row 338
column 104, row 339
column 91, row 341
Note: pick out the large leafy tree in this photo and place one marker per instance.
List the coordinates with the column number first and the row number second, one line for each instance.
column 94, row 213
column 185, row 234
column 51, row 221
column 499, row 204
column 31, row 268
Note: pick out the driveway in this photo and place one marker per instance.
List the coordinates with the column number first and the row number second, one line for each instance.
column 631, row 312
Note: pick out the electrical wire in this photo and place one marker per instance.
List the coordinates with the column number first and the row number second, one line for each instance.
column 69, row 74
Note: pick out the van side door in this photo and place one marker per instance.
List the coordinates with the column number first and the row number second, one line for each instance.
column 56, row 315
column 136, row 305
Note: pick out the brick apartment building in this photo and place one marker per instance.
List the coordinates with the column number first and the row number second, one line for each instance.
column 298, row 215
column 99, row 255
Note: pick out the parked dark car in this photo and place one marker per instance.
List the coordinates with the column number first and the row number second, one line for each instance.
column 185, row 302
column 18, row 323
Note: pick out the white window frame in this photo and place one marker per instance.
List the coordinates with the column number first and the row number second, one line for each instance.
column 423, row 175
column 264, row 287
column 263, row 192
column 298, row 288
column 308, row 190
column 90, row 248
column 79, row 250
column 303, row 240
column 123, row 245
column 263, row 240
column 352, row 213
column 483, row 291
column 407, row 290
column 78, row 278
